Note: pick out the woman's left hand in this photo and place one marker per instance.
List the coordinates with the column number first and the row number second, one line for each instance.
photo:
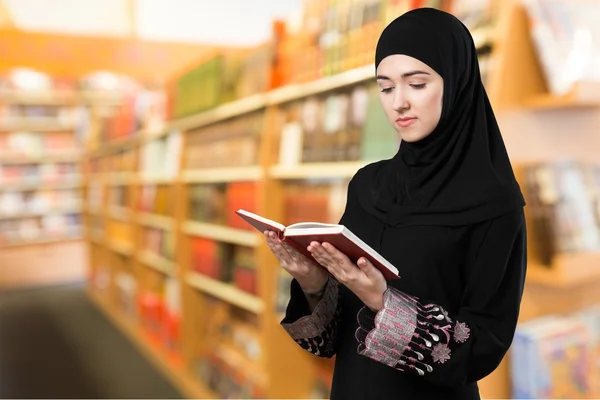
column 366, row 281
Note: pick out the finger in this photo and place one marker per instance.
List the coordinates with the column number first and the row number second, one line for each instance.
column 328, row 261
column 318, row 254
column 366, row 267
column 294, row 254
column 282, row 255
column 337, row 256
column 345, row 268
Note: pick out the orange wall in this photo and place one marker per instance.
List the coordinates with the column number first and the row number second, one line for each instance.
column 73, row 56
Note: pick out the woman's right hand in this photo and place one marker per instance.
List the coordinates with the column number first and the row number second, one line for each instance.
column 311, row 277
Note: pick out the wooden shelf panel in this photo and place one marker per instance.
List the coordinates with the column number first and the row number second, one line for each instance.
column 125, row 249
column 47, row 158
column 156, row 179
column 222, row 233
column 38, row 97
column 220, row 113
column 120, row 178
column 158, row 263
column 66, row 210
column 226, row 292
column 37, row 242
column 58, row 97
column 567, row 271
column 73, row 183
column 214, row 175
column 156, row 221
column 316, row 170
column 583, row 95
column 96, row 237
column 93, row 209
column 37, row 124
column 190, row 387
column 115, row 145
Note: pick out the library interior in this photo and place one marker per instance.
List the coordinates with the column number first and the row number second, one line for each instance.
column 154, row 121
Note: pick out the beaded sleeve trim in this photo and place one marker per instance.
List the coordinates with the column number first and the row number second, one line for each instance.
column 408, row 335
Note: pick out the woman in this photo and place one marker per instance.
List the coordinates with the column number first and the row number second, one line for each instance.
column 446, row 210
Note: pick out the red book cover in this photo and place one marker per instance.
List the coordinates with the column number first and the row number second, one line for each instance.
column 300, row 235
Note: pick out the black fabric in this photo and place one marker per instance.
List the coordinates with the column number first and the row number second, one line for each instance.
column 461, row 172
column 476, row 272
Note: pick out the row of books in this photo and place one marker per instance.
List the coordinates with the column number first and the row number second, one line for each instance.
column 119, row 195
column 314, row 201
column 154, row 199
column 119, row 232
column 35, row 144
column 160, row 242
column 346, row 125
column 225, row 379
column 229, row 362
column 225, row 262
column 159, row 312
column 48, row 227
column 157, row 199
column 217, row 203
column 557, row 357
column 234, row 142
column 161, row 157
column 564, row 204
column 38, row 202
column 565, row 36
column 61, row 114
column 30, row 174
column 122, row 161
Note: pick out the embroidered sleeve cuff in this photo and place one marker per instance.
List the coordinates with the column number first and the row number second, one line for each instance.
column 407, row 335
column 321, row 319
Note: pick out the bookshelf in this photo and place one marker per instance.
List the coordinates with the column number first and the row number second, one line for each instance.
column 40, row 188
column 158, row 266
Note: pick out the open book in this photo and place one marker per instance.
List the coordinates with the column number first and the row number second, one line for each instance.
column 300, row 235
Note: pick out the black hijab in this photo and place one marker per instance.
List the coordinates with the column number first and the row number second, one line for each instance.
column 460, row 173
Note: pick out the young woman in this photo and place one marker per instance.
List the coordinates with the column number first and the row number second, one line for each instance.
column 446, row 210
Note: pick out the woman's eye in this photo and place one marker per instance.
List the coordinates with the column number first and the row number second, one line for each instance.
column 386, row 90
column 417, row 85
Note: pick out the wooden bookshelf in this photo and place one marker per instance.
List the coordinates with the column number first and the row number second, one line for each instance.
column 226, row 292
column 222, row 233
column 223, row 175
column 47, row 139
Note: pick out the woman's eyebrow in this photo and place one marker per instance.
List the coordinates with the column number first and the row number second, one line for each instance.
column 404, row 75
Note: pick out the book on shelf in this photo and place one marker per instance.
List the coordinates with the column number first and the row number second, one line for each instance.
column 300, row 235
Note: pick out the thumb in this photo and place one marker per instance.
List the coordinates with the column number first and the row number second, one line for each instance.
column 366, row 266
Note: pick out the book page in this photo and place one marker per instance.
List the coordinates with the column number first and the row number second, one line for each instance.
column 310, row 225
column 260, row 223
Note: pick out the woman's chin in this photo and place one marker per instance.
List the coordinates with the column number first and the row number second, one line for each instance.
column 412, row 137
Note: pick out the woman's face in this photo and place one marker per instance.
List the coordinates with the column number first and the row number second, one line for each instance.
column 411, row 94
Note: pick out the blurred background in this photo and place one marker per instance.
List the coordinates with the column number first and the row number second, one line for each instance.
column 130, row 130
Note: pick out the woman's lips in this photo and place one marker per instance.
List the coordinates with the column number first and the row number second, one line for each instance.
column 405, row 122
